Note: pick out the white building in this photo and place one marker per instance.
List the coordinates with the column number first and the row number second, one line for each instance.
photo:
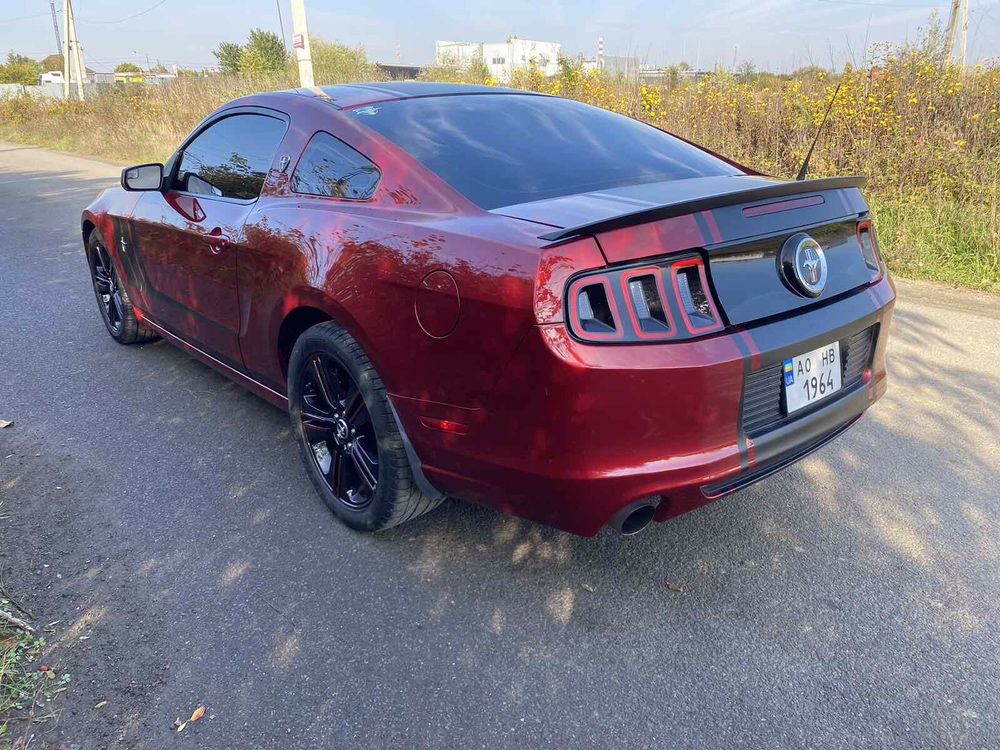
column 501, row 58
column 457, row 53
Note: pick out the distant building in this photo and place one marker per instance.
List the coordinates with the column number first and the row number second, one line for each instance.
column 399, row 72
column 457, row 53
column 616, row 65
column 130, row 77
column 501, row 58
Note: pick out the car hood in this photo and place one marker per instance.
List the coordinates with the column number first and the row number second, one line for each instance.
column 583, row 208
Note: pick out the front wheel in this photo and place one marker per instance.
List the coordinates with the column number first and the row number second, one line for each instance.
column 112, row 296
column 347, row 433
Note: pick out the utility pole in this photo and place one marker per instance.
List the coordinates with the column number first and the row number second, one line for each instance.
column 55, row 26
column 66, row 50
column 964, row 39
column 949, row 37
column 300, row 43
column 77, row 52
column 72, row 58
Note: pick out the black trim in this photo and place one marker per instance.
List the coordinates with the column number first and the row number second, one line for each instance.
column 683, row 208
column 787, row 444
column 416, row 466
column 715, row 491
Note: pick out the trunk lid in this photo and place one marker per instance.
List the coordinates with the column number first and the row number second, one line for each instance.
column 739, row 223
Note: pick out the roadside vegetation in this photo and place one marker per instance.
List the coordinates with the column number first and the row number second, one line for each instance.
column 28, row 686
column 925, row 132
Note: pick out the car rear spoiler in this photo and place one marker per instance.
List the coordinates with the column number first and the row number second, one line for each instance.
column 671, row 210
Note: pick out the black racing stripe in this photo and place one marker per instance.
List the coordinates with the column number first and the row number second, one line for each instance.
column 706, row 232
column 741, row 437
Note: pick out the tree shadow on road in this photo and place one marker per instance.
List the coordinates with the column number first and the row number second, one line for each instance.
column 850, row 573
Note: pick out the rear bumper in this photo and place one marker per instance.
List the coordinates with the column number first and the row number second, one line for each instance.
column 574, row 432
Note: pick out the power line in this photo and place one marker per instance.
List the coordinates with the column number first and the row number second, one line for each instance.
column 24, row 18
column 150, row 9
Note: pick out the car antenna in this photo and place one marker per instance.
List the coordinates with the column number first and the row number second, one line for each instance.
column 805, row 164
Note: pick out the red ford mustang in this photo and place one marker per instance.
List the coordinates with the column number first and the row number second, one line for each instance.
column 503, row 297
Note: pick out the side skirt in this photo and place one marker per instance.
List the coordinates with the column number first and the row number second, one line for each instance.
column 268, row 394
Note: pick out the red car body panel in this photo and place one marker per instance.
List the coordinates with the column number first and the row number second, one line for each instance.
column 461, row 311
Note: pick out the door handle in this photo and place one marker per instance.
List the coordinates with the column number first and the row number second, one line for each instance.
column 218, row 241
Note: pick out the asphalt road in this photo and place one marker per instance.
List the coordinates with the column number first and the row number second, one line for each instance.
column 160, row 514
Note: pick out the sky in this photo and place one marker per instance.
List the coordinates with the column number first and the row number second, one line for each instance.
column 778, row 35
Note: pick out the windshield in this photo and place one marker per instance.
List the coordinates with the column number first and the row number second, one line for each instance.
column 502, row 149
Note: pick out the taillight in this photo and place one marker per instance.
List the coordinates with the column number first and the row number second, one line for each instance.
column 647, row 303
column 691, row 286
column 592, row 309
column 643, row 303
column 869, row 246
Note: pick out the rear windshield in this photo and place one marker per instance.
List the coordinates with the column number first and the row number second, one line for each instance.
column 501, row 149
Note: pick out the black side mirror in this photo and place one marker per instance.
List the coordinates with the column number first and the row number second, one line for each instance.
column 143, row 177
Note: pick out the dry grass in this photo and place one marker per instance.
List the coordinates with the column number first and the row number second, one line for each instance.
column 926, row 134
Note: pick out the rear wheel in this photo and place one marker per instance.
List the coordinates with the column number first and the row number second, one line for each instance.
column 112, row 297
column 347, row 433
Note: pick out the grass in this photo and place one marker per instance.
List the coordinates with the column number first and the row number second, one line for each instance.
column 26, row 692
column 925, row 133
column 26, row 689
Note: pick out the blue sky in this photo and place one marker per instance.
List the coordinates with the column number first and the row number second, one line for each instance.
column 774, row 34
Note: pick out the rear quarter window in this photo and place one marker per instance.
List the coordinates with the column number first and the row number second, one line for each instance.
column 331, row 168
column 503, row 149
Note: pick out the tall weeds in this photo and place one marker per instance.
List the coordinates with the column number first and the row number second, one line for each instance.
column 925, row 133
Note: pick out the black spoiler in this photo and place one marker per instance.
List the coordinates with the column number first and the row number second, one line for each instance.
column 671, row 210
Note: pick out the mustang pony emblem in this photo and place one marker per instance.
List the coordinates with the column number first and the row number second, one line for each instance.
column 802, row 263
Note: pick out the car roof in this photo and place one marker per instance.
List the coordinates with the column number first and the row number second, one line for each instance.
column 346, row 95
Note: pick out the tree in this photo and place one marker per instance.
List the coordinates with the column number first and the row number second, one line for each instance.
column 747, row 72
column 52, row 62
column 228, row 54
column 20, row 69
column 263, row 53
column 127, row 67
column 338, row 63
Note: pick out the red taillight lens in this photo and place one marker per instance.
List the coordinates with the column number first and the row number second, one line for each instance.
column 643, row 303
column 869, row 246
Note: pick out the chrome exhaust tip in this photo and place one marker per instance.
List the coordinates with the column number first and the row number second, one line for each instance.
column 634, row 517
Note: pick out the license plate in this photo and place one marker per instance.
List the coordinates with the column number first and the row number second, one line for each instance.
column 812, row 376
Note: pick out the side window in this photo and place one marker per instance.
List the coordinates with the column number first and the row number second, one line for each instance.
column 329, row 167
column 231, row 157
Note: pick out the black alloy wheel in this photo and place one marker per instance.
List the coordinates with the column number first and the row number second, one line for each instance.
column 112, row 296
column 350, row 440
column 107, row 288
column 339, row 430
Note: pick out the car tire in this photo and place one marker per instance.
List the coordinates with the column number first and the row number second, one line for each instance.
column 342, row 420
column 112, row 296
